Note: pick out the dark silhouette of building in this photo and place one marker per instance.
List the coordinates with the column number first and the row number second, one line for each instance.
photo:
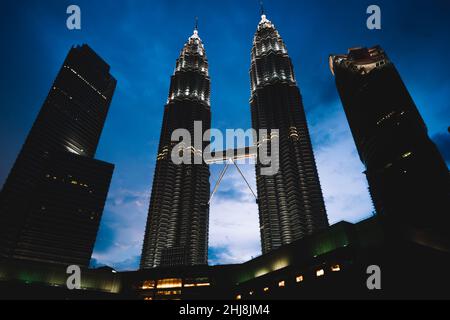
column 52, row 201
column 290, row 202
column 408, row 178
column 177, row 225
column 330, row 264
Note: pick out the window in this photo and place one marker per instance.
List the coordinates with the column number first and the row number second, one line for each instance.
column 169, row 292
column 169, row 283
column 282, row 284
column 148, row 284
column 238, row 297
column 196, row 282
column 406, row 155
column 203, row 284
column 266, row 289
column 299, row 278
column 320, row 273
column 336, row 268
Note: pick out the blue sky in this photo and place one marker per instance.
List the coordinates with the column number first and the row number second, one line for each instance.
column 141, row 41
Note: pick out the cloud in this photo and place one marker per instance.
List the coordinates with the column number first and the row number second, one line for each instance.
column 234, row 221
column 122, row 229
column 340, row 170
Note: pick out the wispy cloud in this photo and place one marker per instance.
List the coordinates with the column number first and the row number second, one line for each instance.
column 343, row 182
column 122, row 229
column 234, row 222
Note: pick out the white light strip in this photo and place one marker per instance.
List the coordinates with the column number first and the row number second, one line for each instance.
column 87, row 82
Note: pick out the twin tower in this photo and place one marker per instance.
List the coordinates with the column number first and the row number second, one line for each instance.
column 290, row 202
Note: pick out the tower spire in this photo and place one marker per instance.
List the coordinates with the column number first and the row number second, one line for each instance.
column 263, row 13
column 196, row 24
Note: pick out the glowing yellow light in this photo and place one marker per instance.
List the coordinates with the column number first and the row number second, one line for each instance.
column 336, row 268
column 251, row 293
column 266, row 289
column 205, row 284
column 169, row 283
column 406, row 155
column 282, row 284
column 168, row 292
column 238, row 297
column 320, row 273
column 148, row 284
column 299, row 279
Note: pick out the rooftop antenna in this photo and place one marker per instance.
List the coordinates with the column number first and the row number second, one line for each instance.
column 196, row 24
column 261, row 4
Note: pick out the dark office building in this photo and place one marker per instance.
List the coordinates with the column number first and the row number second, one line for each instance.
column 408, row 178
column 177, row 225
column 52, row 201
column 290, row 202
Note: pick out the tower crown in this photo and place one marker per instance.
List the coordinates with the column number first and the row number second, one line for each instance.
column 265, row 23
column 190, row 80
column 270, row 60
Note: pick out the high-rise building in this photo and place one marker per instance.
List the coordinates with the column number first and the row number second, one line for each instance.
column 177, row 225
column 408, row 178
column 290, row 202
column 52, row 201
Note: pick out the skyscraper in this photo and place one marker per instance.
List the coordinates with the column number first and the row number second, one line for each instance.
column 408, row 178
column 177, row 225
column 290, row 202
column 52, row 201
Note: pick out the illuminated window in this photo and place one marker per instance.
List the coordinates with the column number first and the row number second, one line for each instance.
column 282, row 284
column 238, row 297
column 148, row 298
column 251, row 293
column 406, row 155
column 320, row 273
column 148, row 284
column 336, row 268
column 299, row 278
column 168, row 292
column 169, row 283
column 266, row 289
column 204, row 284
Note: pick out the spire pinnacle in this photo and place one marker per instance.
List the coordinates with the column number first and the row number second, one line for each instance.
column 195, row 33
column 263, row 13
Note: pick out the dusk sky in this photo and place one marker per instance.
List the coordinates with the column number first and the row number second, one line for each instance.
column 141, row 41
